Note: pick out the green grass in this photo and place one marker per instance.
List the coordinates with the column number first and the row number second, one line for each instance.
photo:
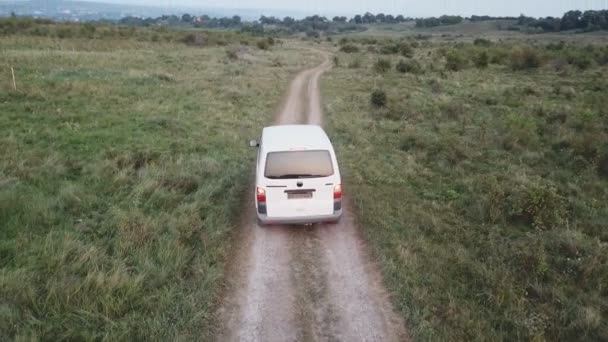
column 123, row 166
column 482, row 192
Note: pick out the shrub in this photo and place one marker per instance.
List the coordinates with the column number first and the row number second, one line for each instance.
column 40, row 31
column 193, row 39
column 379, row 98
column 580, row 60
column 382, row 65
column 482, row 60
column 454, row 61
column 602, row 56
column 313, row 34
column 263, row 44
column 602, row 166
column 355, row 63
column 499, row 56
column 482, row 42
column 538, row 205
column 88, row 30
column 277, row 62
column 389, row 49
column 336, row 61
column 406, row 50
column 525, row 59
column 408, row 66
column 64, row 32
column 452, row 109
column 232, row 54
column 436, row 86
column 349, row 48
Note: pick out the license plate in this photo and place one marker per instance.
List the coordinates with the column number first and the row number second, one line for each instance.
column 300, row 195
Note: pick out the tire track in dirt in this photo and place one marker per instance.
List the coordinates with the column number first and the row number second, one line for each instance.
column 294, row 283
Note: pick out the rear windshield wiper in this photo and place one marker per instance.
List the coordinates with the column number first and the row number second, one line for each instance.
column 293, row 176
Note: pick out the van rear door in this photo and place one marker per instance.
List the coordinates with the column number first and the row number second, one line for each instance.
column 299, row 183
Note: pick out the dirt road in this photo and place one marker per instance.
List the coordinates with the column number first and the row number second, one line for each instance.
column 305, row 283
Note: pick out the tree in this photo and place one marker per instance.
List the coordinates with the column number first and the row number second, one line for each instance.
column 369, row 18
column 523, row 20
column 288, row 21
column 358, row 19
column 187, row 18
column 570, row 20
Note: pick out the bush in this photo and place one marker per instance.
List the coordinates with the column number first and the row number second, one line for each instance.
column 482, row 42
column 602, row 166
column 454, row 61
column 408, row 66
column 263, row 45
column 232, row 54
column 406, row 50
column 389, row 49
column 602, row 56
column 378, row 98
column 277, row 62
column 193, row 39
column 88, row 30
column 525, row 59
column 482, row 60
column 382, row 65
column 499, row 56
column 538, row 205
column 313, row 34
column 349, row 48
column 64, row 32
column 355, row 63
column 580, row 60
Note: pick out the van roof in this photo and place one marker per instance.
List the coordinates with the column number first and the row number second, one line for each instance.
column 295, row 137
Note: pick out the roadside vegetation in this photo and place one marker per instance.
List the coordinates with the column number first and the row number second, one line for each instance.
column 123, row 165
column 479, row 174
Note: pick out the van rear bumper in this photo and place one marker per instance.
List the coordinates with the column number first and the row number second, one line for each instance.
column 335, row 217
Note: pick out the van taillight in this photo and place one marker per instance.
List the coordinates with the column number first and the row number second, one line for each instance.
column 261, row 193
column 338, row 191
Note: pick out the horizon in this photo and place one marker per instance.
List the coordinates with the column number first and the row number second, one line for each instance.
column 408, row 8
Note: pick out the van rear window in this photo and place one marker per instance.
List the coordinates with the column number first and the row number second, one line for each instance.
column 298, row 164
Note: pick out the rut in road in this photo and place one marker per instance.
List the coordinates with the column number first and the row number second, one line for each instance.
column 295, row 283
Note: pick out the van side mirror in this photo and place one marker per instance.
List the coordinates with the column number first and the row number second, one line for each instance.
column 254, row 143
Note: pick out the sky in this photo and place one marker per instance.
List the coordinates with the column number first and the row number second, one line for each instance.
column 412, row 8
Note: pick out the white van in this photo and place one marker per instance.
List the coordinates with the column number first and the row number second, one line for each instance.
column 297, row 176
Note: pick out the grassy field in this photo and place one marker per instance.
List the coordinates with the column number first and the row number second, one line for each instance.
column 123, row 160
column 481, row 182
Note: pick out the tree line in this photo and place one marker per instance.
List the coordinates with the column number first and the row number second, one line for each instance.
column 315, row 25
column 571, row 20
